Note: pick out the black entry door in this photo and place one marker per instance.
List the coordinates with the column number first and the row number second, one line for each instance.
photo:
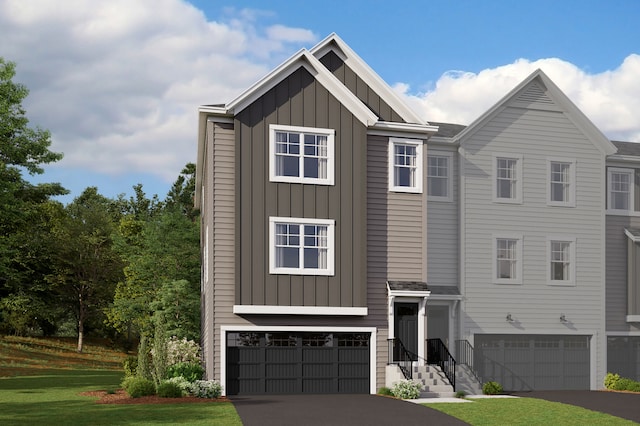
column 406, row 326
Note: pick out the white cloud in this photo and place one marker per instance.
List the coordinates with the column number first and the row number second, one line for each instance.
column 610, row 99
column 118, row 82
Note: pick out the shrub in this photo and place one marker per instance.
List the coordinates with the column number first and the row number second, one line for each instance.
column 189, row 370
column 206, row 389
column 624, row 384
column 139, row 386
column 130, row 366
column 385, row 391
column 491, row 388
column 144, row 365
column 167, row 389
column 461, row 394
column 182, row 350
column 182, row 383
column 610, row 380
column 159, row 353
column 406, row 389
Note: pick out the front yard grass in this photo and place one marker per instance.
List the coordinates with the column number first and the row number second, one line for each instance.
column 525, row 411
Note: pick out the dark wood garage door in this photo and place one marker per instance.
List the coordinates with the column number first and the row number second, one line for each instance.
column 294, row 362
column 534, row 362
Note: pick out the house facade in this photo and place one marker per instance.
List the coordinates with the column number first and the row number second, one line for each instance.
column 342, row 233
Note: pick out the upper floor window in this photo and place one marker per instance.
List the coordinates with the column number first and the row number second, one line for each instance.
column 301, row 154
column 301, row 246
column 439, row 176
column 405, row 165
column 508, row 178
column 561, row 188
column 620, row 189
column 507, row 251
column 561, row 261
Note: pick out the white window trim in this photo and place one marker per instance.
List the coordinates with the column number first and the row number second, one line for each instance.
column 330, row 133
column 624, row 212
column 449, row 156
column 519, row 258
column 419, row 165
column 329, row 271
column 572, row 260
column 571, row 202
column 519, row 166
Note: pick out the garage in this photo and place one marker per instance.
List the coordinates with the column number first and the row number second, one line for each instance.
column 534, row 362
column 297, row 362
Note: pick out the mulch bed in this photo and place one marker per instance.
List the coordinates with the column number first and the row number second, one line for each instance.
column 121, row 397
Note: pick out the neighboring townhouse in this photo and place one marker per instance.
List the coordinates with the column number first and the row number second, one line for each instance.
column 345, row 238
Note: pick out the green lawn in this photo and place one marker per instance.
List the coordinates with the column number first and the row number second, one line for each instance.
column 525, row 411
column 52, row 398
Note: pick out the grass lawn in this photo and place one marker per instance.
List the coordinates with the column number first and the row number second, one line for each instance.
column 40, row 382
column 525, row 411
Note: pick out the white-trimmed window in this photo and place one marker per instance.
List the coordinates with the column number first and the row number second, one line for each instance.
column 507, row 263
column 562, row 263
column 301, row 246
column 507, row 171
column 405, row 165
column 439, row 176
column 301, row 155
column 620, row 189
column 561, row 190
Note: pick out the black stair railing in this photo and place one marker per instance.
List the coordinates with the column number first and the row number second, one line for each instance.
column 465, row 355
column 400, row 356
column 438, row 354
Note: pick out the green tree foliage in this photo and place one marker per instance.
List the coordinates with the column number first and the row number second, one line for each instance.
column 87, row 267
column 25, row 213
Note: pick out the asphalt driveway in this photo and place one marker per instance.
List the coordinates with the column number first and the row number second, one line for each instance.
column 625, row 405
column 335, row 410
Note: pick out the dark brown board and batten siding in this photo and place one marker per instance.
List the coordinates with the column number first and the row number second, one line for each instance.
column 300, row 101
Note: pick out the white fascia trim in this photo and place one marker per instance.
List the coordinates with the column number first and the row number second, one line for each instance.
column 373, row 345
column 214, row 110
column 623, row 333
column 623, row 158
column 631, row 236
column 445, row 297
column 403, row 293
column 373, row 80
column 299, row 310
column 383, row 128
column 633, row 318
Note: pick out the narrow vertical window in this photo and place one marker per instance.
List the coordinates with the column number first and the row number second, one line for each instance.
column 621, row 190
column 439, row 185
column 405, row 165
column 506, row 178
column 562, row 262
column 507, row 259
column 561, row 175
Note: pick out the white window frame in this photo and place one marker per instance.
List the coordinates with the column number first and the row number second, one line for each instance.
column 519, row 259
column 329, row 133
column 572, row 260
column 571, row 201
column 631, row 173
column 449, row 177
column 518, row 187
column 417, row 143
column 329, row 223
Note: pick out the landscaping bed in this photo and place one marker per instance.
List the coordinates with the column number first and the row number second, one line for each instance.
column 121, row 397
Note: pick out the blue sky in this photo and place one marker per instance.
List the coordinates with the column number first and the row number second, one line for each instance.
column 118, row 83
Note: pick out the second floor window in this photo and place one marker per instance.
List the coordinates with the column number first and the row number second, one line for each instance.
column 620, row 185
column 561, row 262
column 439, row 176
column 561, row 182
column 507, row 253
column 508, row 179
column 301, row 154
column 405, row 165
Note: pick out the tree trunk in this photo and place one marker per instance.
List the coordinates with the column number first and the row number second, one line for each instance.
column 80, row 324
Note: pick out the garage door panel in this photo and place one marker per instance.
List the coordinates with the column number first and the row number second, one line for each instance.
column 541, row 362
column 298, row 363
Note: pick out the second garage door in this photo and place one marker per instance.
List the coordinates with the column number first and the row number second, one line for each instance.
column 295, row 362
column 534, row 362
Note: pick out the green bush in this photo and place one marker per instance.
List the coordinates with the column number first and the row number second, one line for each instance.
column 206, row 389
column 189, row 370
column 167, row 389
column 406, row 389
column 182, row 383
column 610, row 380
column 385, row 391
column 492, row 388
column 461, row 394
column 139, row 386
column 624, row 384
column 130, row 366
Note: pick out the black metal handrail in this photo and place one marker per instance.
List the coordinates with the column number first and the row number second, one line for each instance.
column 400, row 356
column 438, row 354
column 465, row 355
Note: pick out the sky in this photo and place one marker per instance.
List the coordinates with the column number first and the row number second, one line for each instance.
column 118, row 82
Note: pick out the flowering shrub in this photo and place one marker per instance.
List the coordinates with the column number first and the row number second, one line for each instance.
column 182, row 350
column 182, row 383
column 206, row 389
column 406, row 389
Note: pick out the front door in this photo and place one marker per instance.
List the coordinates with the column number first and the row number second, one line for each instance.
column 406, row 326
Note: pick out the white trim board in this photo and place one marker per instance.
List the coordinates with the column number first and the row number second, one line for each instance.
column 299, row 310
